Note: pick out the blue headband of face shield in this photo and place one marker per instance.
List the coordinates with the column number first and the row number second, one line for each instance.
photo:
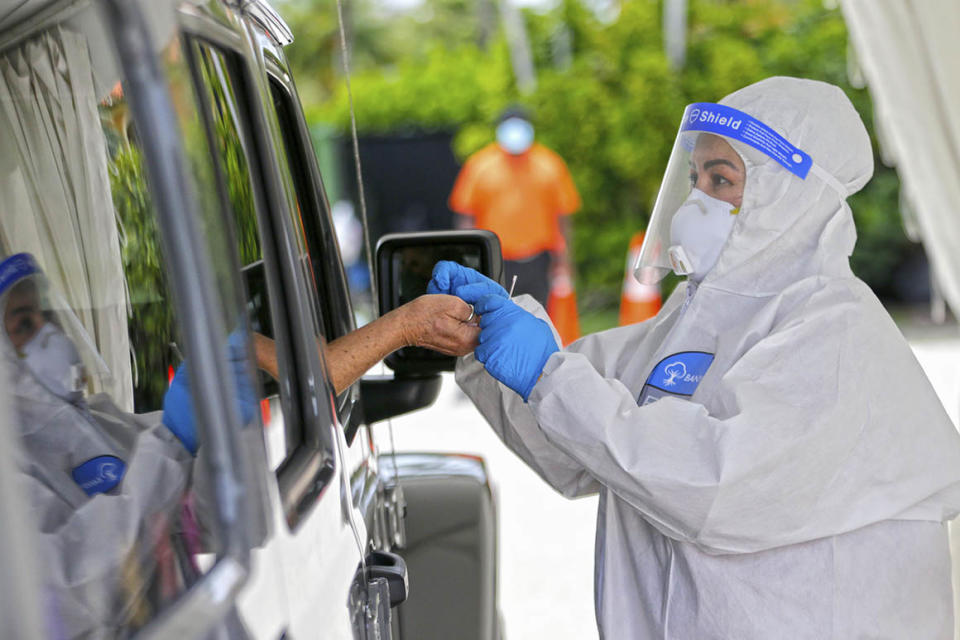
column 16, row 268
column 740, row 126
column 737, row 125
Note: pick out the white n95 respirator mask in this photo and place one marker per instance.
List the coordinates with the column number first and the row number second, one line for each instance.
column 55, row 363
column 41, row 328
column 698, row 231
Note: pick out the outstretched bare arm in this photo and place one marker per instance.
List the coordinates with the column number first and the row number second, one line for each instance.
column 433, row 321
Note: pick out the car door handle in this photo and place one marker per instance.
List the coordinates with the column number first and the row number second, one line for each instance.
column 390, row 566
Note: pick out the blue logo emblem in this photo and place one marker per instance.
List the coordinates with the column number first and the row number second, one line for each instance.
column 676, row 375
column 100, row 474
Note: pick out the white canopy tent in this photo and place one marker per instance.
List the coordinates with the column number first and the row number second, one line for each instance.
column 909, row 52
column 910, row 55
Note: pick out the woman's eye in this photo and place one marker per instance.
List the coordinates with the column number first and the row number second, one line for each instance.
column 693, row 179
column 719, row 180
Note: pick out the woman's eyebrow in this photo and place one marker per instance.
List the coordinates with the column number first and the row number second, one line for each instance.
column 24, row 308
column 712, row 163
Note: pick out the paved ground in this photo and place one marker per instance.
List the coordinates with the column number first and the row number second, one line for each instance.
column 546, row 541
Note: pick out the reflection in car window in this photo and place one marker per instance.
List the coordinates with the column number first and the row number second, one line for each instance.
column 90, row 334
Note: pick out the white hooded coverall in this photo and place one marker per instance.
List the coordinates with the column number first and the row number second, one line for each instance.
column 802, row 490
column 98, row 549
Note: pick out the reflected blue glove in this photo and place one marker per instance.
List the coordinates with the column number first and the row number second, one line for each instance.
column 178, row 415
column 466, row 283
column 178, row 410
column 514, row 344
column 240, row 357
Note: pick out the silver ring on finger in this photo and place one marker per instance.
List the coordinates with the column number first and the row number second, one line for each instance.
column 472, row 315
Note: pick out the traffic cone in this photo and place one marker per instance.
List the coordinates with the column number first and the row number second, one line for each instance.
column 562, row 308
column 638, row 301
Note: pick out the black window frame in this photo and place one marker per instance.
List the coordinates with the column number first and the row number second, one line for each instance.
column 317, row 224
column 334, row 294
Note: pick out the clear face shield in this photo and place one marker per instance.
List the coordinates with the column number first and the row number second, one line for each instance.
column 702, row 190
column 44, row 333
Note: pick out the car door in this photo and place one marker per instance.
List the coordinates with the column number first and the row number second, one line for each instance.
column 320, row 535
column 327, row 281
column 121, row 214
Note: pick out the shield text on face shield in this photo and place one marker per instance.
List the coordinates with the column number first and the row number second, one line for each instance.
column 737, row 125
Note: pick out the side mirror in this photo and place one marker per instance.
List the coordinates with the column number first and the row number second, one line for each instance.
column 404, row 266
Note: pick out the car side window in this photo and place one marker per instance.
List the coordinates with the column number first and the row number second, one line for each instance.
column 314, row 209
column 330, row 285
column 216, row 75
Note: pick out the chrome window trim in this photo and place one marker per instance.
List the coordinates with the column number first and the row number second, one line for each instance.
column 268, row 18
column 319, row 419
column 206, row 23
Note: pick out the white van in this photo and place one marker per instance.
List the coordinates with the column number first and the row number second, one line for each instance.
column 160, row 204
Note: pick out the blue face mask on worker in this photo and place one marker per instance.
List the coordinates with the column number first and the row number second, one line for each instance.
column 698, row 231
column 515, row 135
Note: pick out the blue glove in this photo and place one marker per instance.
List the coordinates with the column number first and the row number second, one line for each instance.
column 178, row 414
column 239, row 356
column 514, row 344
column 466, row 283
column 178, row 410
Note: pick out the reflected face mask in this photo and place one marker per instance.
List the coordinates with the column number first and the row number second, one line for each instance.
column 698, row 232
column 53, row 360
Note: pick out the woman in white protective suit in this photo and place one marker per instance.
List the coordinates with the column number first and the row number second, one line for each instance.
column 770, row 459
